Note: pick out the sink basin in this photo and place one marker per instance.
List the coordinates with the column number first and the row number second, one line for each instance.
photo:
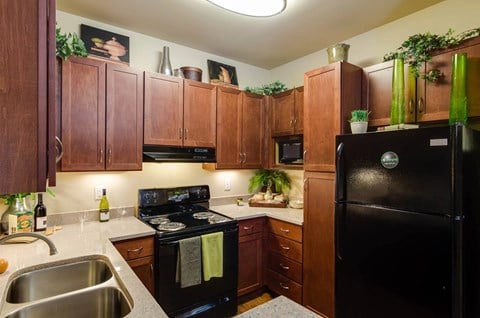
column 103, row 302
column 57, row 279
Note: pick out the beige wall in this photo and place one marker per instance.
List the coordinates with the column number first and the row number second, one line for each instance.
column 370, row 47
column 74, row 191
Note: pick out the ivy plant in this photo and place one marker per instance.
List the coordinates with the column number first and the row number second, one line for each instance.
column 268, row 89
column 417, row 49
column 69, row 44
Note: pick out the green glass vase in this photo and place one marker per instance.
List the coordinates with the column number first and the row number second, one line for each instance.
column 458, row 90
column 397, row 109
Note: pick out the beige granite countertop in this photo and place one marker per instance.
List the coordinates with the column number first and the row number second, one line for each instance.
column 279, row 307
column 294, row 216
column 90, row 238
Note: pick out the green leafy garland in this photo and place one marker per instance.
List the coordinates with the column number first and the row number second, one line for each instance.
column 267, row 89
column 69, row 44
column 417, row 49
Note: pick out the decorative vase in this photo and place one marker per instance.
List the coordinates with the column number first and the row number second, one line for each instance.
column 17, row 218
column 358, row 127
column 338, row 52
column 397, row 109
column 165, row 66
column 458, row 90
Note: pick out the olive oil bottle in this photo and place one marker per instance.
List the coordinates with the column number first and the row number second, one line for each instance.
column 104, row 209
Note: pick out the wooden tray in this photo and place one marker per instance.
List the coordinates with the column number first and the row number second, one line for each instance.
column 267, row 204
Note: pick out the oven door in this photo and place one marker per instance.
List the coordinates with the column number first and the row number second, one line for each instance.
column 214, row 298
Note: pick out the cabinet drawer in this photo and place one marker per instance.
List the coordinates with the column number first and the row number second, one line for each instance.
column 285, row 247
column 285, row 229
column 285, row 266
column 246, row 227
column 284, row 286
column 135, row 248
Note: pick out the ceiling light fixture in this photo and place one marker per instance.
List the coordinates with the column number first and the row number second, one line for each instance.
column 256, row 8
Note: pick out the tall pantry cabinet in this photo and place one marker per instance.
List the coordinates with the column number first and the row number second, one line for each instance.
column 330, row 94
column 27, row 95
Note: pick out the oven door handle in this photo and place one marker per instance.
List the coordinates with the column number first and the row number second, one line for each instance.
column 170, row 243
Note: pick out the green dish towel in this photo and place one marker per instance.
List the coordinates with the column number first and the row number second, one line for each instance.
column 212, row 255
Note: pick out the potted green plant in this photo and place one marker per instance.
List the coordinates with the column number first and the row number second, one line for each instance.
column 359, row 121
column 268, row 89
column 270, row 180
column 69, row 44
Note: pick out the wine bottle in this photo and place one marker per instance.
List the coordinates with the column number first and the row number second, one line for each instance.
column 40, row 215
column 104, row 208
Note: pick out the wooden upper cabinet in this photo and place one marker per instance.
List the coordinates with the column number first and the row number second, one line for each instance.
column 83, row 114
column 433, row 99
column 331, row 92
column 27, row 94
column 229, row 128
column 163, row 110
column 240, row 117
column 424, row 101
column 287, row 112
column 102, row 116
column 124, row 138
column 253, row 110
column 377, row 93
column 199, row 114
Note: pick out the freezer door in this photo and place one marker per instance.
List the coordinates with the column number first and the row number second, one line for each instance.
column 392, row 264
column 407, row 170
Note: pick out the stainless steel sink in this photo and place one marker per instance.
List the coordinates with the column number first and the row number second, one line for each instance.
column 58, row 279
column 79, row 287
column 102, row 303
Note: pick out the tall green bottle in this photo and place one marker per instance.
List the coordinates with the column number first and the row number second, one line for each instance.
column 397, row 109
column 104, row 208
column 458, row 90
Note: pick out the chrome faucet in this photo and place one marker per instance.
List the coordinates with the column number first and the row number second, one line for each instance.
column 53, row 249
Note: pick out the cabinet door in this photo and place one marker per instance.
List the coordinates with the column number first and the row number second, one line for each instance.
column 83, row 114
column 298, row 115
column 377, row 94
column 124, row 139
column 252, row 130
column 199, row 119
column 24, row 87
column 433, row 101
column 318, row 242
column 250, row 263
column 283, row 113
column 229, row 128
column 163, row 123
column 331, row 92
column 143, row 268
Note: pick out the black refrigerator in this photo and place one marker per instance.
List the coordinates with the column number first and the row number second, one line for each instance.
column 407, row 207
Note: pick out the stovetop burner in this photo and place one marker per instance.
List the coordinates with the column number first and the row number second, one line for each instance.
column 159, row 220
column 171, row 226
column 202, row 215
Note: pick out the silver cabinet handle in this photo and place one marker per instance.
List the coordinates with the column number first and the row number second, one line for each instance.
column 109, row 157
column 248, row 228
column 291, row 122
column 151, row 270
column 137, row 250
column 284, row 267
column 420, row 105
column 286, row 248
column 284, row 230
column 58, row 149
column 180, row 133
column 284, row 286
column 101, row 156
column 185, row 133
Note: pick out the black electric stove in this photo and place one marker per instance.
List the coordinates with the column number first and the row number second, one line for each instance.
column 182, row 213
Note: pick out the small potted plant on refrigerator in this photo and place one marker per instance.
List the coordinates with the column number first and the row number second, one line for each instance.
column 359, row 121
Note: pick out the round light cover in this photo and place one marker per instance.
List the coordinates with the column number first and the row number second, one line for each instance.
column 256, row 8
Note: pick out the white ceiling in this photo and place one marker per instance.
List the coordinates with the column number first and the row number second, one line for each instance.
column 305, row 26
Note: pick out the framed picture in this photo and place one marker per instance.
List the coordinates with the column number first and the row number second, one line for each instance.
column 222, row 74
column 105, row 44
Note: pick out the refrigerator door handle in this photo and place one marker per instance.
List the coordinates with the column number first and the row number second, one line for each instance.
column 339, row 219
column 339, row 177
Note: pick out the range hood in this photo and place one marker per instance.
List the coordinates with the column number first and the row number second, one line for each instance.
column 178, row 154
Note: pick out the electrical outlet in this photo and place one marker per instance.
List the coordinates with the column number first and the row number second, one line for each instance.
column 228, row 184
column 97, row 192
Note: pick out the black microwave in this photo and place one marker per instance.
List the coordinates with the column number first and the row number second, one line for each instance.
column 290, row 151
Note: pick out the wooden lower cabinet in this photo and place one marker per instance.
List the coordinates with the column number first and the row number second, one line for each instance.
column 250, row 255
column 139, row 254
column 284, row 259
column 319, row 248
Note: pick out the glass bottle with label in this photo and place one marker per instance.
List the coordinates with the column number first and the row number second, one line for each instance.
column 104, row 208
column 40, row 213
